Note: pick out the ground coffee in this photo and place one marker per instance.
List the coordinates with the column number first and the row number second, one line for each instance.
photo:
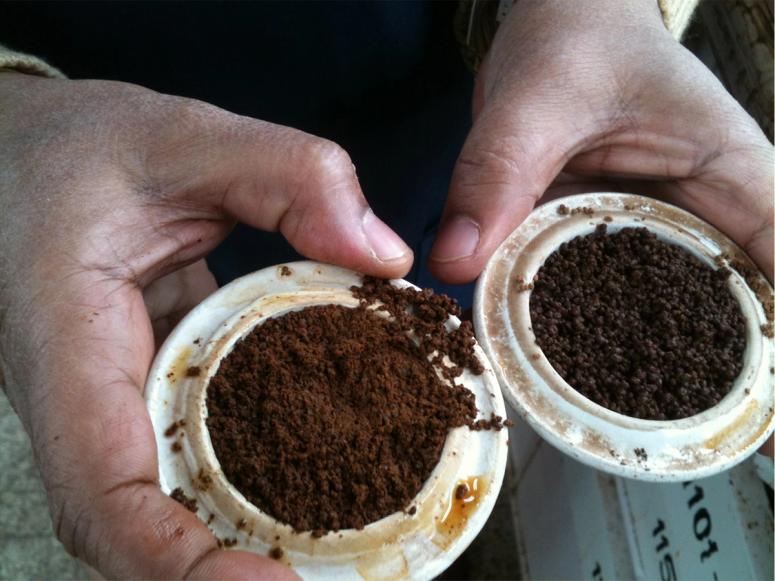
column 638, row 325
column 332, row 417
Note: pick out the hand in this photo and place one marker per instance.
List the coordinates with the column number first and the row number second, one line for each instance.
column 601, row 92
column 108, row 190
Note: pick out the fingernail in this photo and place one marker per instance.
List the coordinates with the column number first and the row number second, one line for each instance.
column 457, row 240
column 385, row 244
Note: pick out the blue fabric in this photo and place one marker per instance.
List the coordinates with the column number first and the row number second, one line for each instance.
column 383, row 79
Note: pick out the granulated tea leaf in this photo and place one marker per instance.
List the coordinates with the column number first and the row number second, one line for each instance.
column 637, row 325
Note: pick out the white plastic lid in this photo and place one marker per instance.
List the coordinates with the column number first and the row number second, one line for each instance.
column 402, row 545
column 694, row 447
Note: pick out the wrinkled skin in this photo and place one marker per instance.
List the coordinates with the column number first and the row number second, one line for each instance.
column 597, row 96
column 112, row 195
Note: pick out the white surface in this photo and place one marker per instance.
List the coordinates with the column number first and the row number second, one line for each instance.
column 575, row 522
column 567, row 517
column 712, row 528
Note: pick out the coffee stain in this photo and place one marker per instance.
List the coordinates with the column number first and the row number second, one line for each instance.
column 179, row 365
column 383, row 565
column 203, row 481
column 740, row 422
column 598, row 442
column 464, row 499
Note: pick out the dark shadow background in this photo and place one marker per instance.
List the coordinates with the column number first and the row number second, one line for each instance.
column 383, row 79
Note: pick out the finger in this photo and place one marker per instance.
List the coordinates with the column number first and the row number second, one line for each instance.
column 507, row 162
column 96, row 446
column 730, row 188
column 170, row 297
column 276, row 178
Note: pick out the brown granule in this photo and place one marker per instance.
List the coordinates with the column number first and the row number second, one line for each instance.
column 203, row 480
column 638, row 325
column 285, row 271
column 193, row 371
column 174, row 427
column 523, row 286
column 495, row 423
column 348, row 388
column 180, row 496
column 176, row 447
column 331, row 417
column 276, row 553
column 424, row 314
column 461, row 491
column 564, row 210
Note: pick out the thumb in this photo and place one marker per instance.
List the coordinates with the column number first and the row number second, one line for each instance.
column 276, row 178
column 507, row 162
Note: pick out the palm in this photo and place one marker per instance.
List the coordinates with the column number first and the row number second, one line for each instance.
column 591, row 108
column 690, row 159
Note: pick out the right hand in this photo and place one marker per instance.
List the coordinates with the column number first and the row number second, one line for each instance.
column 111, row 196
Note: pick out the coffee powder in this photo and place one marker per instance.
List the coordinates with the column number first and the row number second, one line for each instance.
column 332, row 417
column 637, row 325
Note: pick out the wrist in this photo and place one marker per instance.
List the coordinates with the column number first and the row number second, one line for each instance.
column 477, row 23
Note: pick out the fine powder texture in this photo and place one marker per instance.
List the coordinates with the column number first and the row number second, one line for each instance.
column 333, row 417
column 637, row 325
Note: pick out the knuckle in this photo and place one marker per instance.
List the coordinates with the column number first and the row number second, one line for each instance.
column 489, row 161
column 488, row 166
column 73, row 528
column 186, row 113
column 327, row 160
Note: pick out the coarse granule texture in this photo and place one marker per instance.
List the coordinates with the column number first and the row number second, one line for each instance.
column 564, row 210
column 495, row 423
column 180, row 496
column 424, row 313
column 637, row 325
column 331, row 417
column 174, row 427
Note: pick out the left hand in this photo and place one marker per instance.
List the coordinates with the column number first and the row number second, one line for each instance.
column 573, row 94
